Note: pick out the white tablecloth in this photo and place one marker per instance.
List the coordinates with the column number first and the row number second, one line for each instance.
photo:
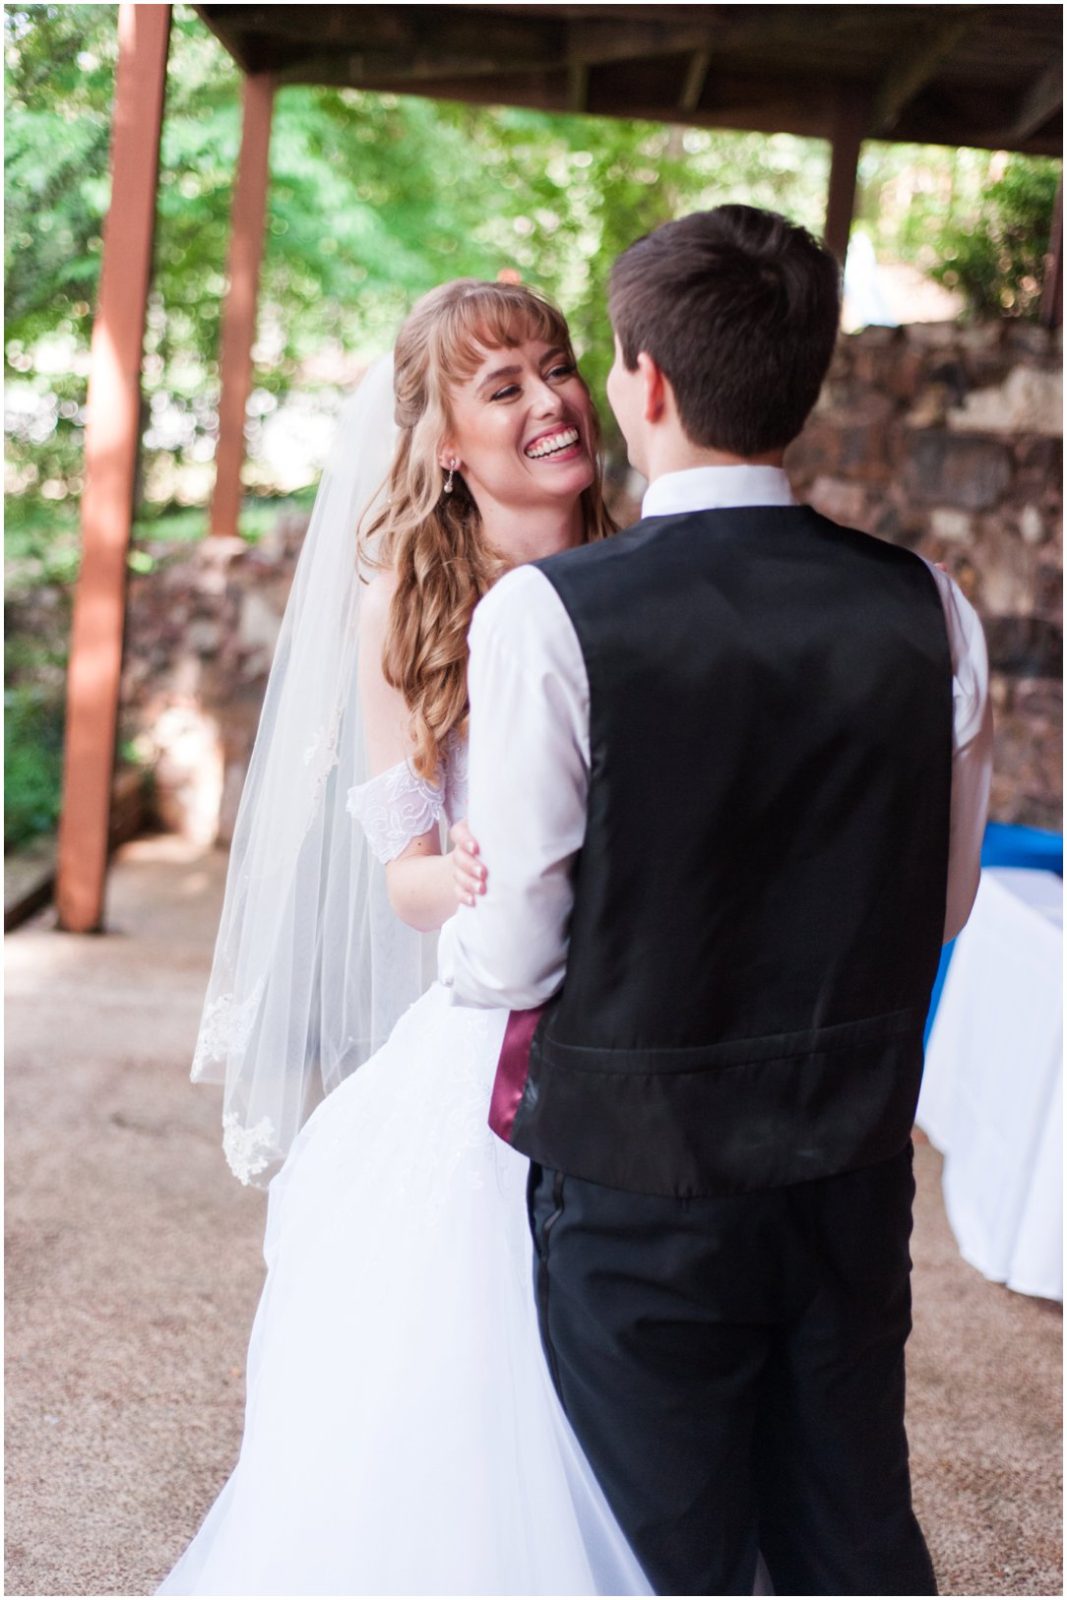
column 992, row 1090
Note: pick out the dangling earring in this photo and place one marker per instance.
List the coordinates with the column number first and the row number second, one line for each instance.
column 451, row 475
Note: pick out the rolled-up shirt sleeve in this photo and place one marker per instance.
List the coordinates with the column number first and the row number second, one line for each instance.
column 529, row 780
column 972, row 751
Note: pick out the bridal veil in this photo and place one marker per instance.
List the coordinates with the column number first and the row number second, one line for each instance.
column 311, row 968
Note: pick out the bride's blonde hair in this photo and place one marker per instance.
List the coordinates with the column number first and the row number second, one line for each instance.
column 432, row 541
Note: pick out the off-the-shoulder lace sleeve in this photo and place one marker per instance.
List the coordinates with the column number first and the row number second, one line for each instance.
column 394, row 808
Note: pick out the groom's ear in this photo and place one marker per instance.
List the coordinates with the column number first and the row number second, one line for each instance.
column 655, row 388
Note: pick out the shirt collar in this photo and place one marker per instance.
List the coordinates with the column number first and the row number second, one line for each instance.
column 707, row 488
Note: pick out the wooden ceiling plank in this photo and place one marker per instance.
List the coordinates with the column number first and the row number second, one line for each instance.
column 397, row 31
column 1040, row 102
column 912, row 70
column 792, row 54
column 383, row 49
column 376, row 68
column 368, row 28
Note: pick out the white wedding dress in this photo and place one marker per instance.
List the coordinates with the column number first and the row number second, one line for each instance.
column 402, row 1435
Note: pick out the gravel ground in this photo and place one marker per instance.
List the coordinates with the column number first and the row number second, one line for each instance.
column 133, row 1268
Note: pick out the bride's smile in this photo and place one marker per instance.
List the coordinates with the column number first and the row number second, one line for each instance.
column 522, row 431
column 559, row 444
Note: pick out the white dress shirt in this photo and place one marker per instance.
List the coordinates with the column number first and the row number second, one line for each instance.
column 529, row 760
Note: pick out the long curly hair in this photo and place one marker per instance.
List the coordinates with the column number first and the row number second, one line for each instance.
column 434, row 542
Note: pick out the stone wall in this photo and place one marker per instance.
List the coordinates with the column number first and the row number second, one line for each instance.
column 944, row 439
column 200, row 635
column 950, row 440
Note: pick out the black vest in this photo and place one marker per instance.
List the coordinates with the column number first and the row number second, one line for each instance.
column 760, row 897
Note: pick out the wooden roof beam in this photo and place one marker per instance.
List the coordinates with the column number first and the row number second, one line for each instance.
column 1041, row 101
column 596, row 42
column 384, row 70
column 577, row 86
column 216, row 26
column 382, row 30
column 415, row 74
column 381, row 44
column 696, row 75
column 851, row 122
column 912, row 70
column 398, row 31
column 422, row 71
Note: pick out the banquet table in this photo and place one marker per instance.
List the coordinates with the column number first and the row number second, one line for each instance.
column 992, row 1090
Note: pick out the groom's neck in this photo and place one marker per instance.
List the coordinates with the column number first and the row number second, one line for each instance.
column 677, row 453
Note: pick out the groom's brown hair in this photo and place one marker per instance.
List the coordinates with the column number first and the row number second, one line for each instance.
column 739, row 308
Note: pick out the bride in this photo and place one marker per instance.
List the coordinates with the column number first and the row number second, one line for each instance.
column 402, row 1434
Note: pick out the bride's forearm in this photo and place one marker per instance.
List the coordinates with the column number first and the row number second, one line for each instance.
column 422, row 890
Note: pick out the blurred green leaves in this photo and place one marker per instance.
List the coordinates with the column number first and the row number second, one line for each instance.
column 376, row 198
column 33, row 763
column 997, row 259
column 373, row 200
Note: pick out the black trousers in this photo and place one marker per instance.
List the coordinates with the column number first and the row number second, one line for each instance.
column 734, row 1370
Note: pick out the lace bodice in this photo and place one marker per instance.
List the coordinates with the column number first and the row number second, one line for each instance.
column 398, row 805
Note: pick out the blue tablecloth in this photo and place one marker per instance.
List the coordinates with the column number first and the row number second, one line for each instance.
column 1005, row 844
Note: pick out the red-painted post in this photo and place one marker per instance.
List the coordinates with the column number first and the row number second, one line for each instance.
column 111, row 445
column 239, row 315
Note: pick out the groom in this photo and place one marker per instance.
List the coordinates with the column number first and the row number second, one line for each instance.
column 728, row 772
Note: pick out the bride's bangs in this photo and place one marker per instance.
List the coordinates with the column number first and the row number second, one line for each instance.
column 496, row 317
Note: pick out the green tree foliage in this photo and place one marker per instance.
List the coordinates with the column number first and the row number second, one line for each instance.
column 33, row 763
column 57, row 132
column 373, row 200
column 996, row 257
column 977, row 221
column 59, row 64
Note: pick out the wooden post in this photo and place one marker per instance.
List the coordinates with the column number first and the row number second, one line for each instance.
column 239, row 315
column 112, row 437
column 850, row 125
column 1052, row 292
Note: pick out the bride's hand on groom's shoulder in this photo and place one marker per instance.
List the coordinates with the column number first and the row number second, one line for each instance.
column 467, row 871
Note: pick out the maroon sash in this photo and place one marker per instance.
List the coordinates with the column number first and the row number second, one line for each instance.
column 512, row 1070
